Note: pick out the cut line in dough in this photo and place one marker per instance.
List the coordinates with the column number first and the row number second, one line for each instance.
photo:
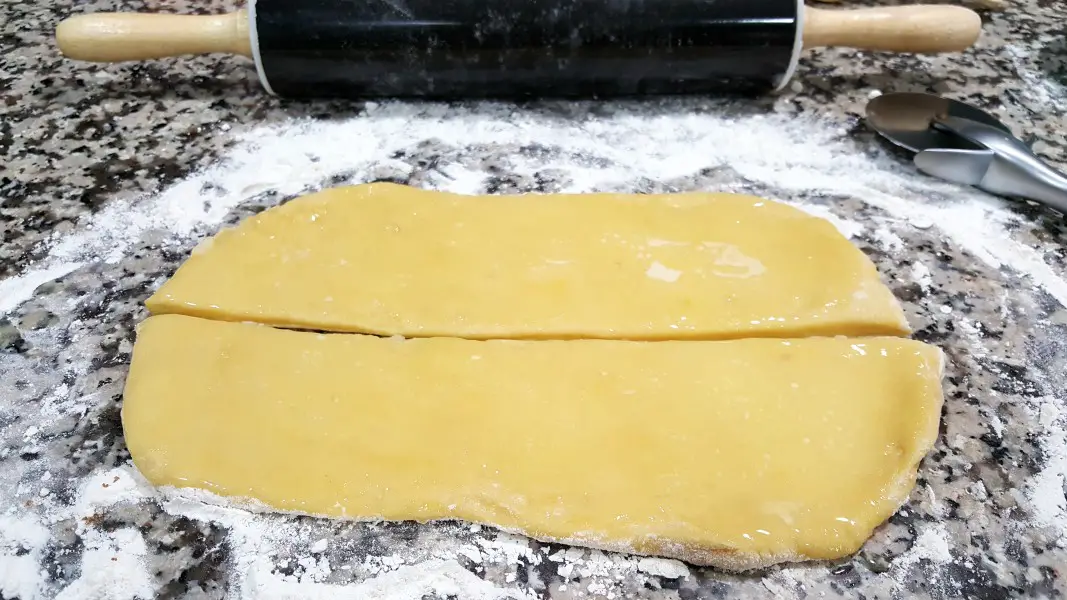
column 395, row 260
column 777, row 446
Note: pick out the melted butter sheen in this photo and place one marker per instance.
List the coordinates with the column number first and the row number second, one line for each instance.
column 394, row 260
column 698, row 450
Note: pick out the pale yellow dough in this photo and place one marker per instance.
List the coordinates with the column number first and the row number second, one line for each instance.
column 736, row 454
column 394, row 260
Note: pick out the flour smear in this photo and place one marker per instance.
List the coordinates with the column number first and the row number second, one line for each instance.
column 622, row 149
column 793, row 154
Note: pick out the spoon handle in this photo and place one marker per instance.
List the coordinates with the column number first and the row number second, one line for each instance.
column 1028, row 177
column 1014, row 170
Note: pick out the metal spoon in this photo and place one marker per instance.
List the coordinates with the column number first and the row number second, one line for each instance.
column 960, row 143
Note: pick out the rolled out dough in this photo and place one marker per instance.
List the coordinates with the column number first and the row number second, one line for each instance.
column 394, row 260
column 736, row 454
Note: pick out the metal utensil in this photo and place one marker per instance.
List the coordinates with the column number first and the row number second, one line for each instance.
column 905, row 119
column 963, row 144
column 1010, row 168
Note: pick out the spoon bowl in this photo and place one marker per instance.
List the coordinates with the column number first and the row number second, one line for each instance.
column 906, row 118
column 957, row 142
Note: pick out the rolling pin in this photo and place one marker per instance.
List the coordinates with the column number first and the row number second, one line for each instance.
column 518, row 48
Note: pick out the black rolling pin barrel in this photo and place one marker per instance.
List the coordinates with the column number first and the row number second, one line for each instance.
column 518, row 48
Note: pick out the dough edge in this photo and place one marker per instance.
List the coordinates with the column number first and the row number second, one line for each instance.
column 159, row 302
column 725, row 559
column 722, row 558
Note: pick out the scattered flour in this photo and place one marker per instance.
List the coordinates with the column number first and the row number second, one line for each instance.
column 108, row 488
column 256, row 535
column 932, row 545
column 112, row 568
column 659, row 271
column 921, row 275
column 409, row 582
column 789, row 155
column 671, row 569
column 22, row 542
column 848, row 228
column 889, row 240
column 802, row 582
column 113, row 565
column 1047, row 492
column 1042, row 93
column 16, row 290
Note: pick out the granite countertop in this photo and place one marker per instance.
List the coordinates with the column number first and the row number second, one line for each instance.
column 87, row 149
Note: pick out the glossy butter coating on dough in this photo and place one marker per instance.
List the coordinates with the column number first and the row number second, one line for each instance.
column 735, row 454
column 394, row 260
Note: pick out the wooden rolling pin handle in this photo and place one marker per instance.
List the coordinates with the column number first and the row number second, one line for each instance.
column 917, row 29
column 117, row 37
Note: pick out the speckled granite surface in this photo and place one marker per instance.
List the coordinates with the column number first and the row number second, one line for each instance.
column 76, row 139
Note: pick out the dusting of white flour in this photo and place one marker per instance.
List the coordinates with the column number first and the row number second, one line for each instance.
column 786, row 153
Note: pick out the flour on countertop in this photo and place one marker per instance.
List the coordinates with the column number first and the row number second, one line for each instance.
column 920, row 273
column 15, row 290
column 889, row 240
column 113, row 567
column 257, row 536
column 275, row 556
column 801, row 582
column 1047, row 493
column 408, row 582
column 290, row 159
column 932, row 544
column 661, row 567
column 1043, row 93
column 22, row 541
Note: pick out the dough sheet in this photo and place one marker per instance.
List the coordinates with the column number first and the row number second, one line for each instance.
column 394, row 260
column 733, row 453
column 710, row 377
